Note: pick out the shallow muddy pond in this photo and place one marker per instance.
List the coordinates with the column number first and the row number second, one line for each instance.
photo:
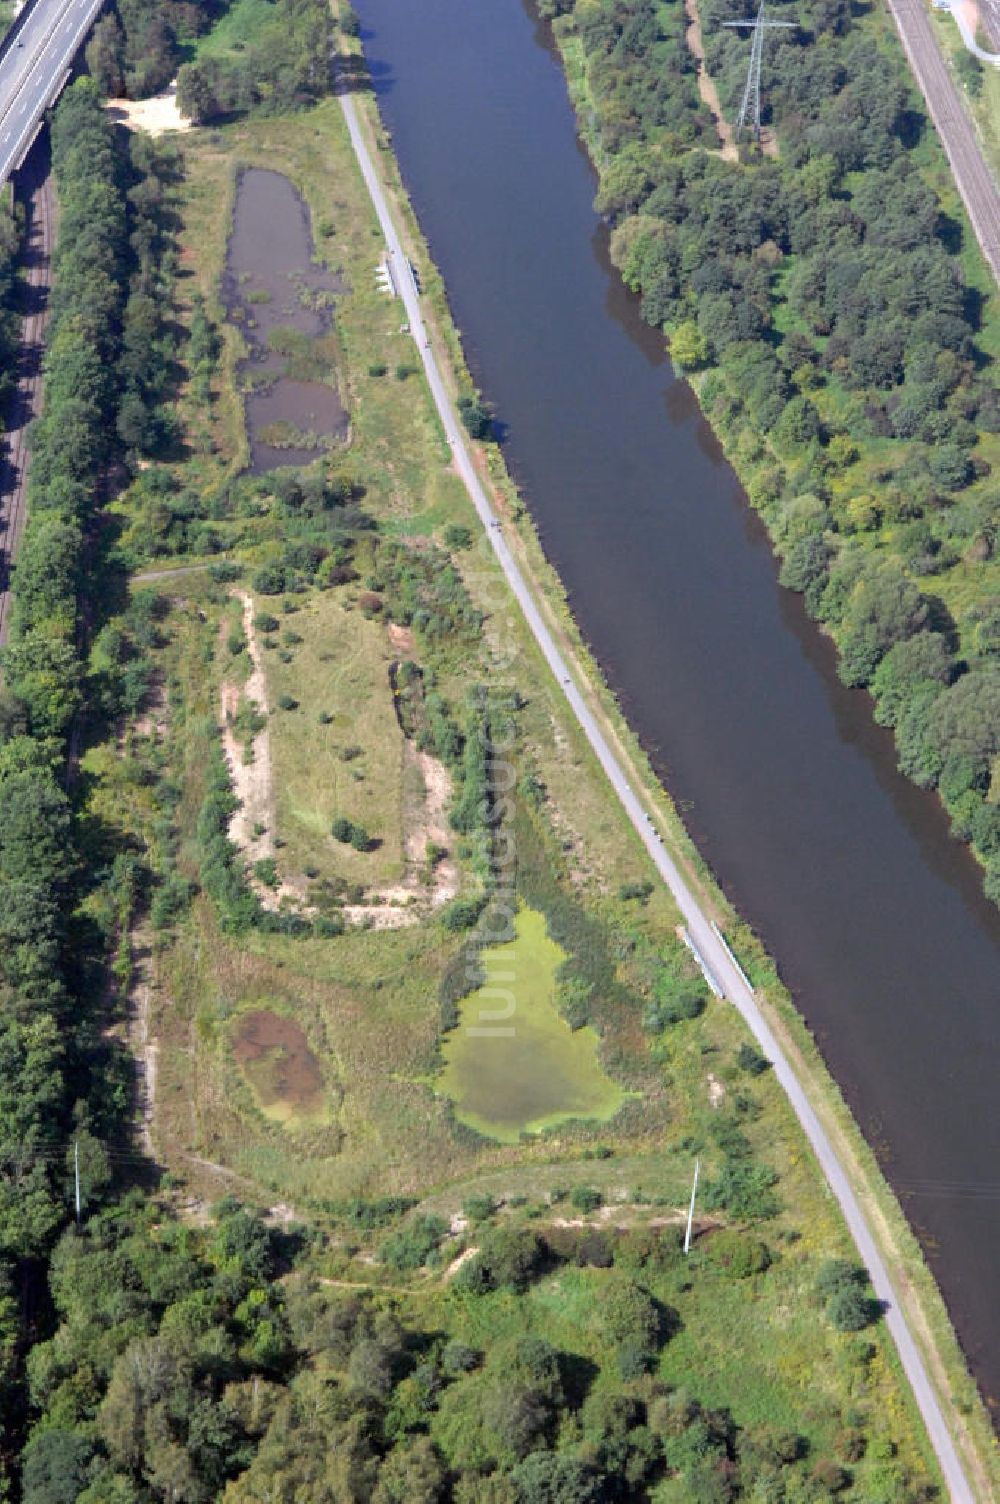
column 282, row 299
column 281, row 1069
column 513, row 1065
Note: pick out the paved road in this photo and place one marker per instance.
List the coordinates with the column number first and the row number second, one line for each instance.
column 34, row 64
column 730, row 980
column 958, row 136
column 26, row 402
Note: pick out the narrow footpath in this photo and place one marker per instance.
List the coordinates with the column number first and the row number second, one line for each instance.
column 26, row 402
column 711, row 948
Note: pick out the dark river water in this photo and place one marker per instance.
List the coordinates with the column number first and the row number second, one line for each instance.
column 875, row 916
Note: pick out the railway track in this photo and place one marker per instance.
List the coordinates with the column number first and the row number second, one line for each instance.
column 26, row 402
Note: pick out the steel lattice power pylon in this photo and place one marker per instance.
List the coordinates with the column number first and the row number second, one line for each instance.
column 752, row 91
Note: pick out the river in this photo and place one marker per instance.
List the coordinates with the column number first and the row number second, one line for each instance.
column 874, row 915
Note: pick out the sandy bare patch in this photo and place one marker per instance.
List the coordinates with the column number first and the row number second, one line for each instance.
column 143, row 1044
column 456, row 1263
column 156, row 116
column 716, row 1091
column 408, row 901
column 706, row 84
column 400, row 638
column 251, row 828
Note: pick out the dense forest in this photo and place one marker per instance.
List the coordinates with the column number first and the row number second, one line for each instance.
column 286, row 62
column 63, row 894
column 189, row 1364
column 828, row 307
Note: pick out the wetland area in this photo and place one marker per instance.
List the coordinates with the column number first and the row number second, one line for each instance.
column 282, row 300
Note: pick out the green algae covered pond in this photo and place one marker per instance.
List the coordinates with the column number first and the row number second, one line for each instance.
column 513, row 1065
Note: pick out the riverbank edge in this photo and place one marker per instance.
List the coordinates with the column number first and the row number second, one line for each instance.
column 755, row 473
column 917, row 1289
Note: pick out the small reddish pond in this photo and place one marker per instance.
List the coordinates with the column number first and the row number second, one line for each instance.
column 276, row 1060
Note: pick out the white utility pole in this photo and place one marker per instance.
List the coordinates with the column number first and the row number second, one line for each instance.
column 76, row 1176
column 694, row 1192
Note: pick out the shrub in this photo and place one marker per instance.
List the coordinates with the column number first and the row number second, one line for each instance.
column 265, row 623
column 270, row 580
column 360, row 839
column 743, row 1189
column 326, row 926
column 835, row 1274
column 266, row 872
column 170, row 900
column 462, row 913
column 476, row 417
column 342, row 829
column 457, row 536
column 751, row 1060
column 585, row 1198
column 508, row 1258
column 287, row 702
column 685, row 1000
column 630, row 1314
column 411, row 1246
column 851, row 1310
column 458, row 1358
column 738, row 1255
column 635, row 891
column 594, row 1251
column 478, row 1207
column 830, row 1476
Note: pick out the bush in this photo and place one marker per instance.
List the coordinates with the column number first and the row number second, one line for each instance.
column 270, row 580
column 457, row 536
column 462, row 913
column 412, row 1245
column 265, row 623
column 639, row 892
column 743, row 1189
column 266, row 872
column 508, row 1259
column 342, row 830
column 476, row 417
column 751, row 1060
column 327, row 926
column 287, row 702
column 360, row 839
column 458, row 1358
column 478, row 1207
column 594, row 1251
column 629, row 1313
column 851, row 1310
column 835, row 1275
column 170, row 900
column 737, row 1254
column 585, row 1198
